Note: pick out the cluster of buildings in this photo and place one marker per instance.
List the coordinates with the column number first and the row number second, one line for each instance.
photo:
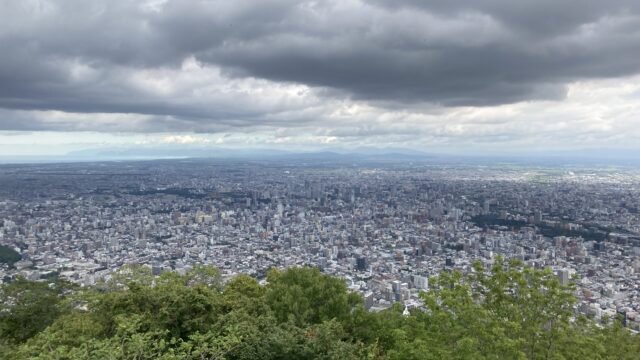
column 385, row 228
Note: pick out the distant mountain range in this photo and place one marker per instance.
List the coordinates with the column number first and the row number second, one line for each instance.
column 575, row 157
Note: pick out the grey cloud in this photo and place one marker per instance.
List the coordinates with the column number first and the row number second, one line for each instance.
column 539, row 19
column 485, row 61
column 391, row 53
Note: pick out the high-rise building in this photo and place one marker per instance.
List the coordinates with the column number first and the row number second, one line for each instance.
column 421, row 282
column 449, row 262
column 361, row 263
column 537, row 216
column 563, row 274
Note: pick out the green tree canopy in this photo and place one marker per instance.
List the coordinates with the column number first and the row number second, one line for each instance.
column 506, row 311
column 305, row 296
column 8, row 255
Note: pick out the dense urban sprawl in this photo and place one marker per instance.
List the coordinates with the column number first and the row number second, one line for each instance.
column 384, row 227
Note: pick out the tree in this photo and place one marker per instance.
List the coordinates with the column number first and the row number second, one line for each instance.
column 27, row 307
column 306, row 296
column 8, row 255
column 512, row 311
column 508, row 311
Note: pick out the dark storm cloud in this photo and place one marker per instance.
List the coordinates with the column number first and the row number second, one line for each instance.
column 541, row 18
column 448, row 52
column 76, row 56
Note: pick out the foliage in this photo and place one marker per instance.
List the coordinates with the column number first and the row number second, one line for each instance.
column 508, row 311
column 8, row 255
column 28, row 307
column 305, row 296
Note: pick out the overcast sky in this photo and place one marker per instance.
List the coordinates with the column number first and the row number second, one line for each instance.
column 443, row 75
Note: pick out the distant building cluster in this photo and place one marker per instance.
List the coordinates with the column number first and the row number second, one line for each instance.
column 384, row 228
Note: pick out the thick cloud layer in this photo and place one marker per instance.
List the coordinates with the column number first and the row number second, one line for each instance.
column 211, row 66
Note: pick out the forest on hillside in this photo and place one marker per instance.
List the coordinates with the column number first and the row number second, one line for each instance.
column 508, row 311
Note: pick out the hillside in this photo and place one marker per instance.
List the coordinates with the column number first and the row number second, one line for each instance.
column 507, row 312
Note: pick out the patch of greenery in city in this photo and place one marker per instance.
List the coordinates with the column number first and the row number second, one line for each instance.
column 8, row 255
column 161, row 238
column 543, row 228
column 494, row 220
column 587, row 234
column 509, row 311
column 456, row 247
column 185, row 193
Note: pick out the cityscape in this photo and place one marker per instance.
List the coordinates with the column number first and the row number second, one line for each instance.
column 319, row 179
column 383, row 226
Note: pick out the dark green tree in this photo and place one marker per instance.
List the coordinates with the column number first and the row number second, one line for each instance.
column 306, row 296
column 27, row 307
column 506, row 311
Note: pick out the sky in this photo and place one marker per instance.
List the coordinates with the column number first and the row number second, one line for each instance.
column 446, row 76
